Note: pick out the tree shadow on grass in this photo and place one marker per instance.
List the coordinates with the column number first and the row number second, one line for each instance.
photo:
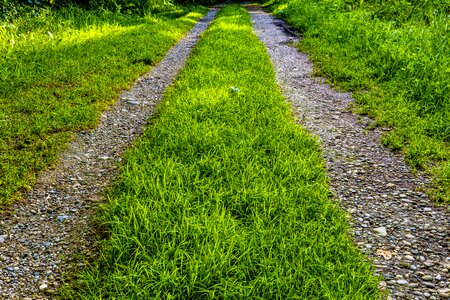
column 55, row 89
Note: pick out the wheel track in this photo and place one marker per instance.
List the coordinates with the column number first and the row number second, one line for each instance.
column 51, row 232
column 374, row 185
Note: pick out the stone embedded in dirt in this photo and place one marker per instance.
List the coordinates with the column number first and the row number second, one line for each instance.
column 62, row 218
column 2, row 238
column 409, row 236
column 43, row 287
column 381, row 231
column 427, row 277
column 444, row 293
column 402, row 281
column 132, row 102
column 429, row 263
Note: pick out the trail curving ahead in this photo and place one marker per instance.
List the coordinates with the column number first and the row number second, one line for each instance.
column 404, row 234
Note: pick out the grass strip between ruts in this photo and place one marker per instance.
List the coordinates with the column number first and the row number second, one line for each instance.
column 225, row 196
column 59, row 70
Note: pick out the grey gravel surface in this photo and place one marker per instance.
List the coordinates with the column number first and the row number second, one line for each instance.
column 48, row 233
column 393, row 221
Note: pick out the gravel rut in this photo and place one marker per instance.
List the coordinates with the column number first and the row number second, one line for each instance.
column 405, row 235
column 46, row 234
column 402, row 232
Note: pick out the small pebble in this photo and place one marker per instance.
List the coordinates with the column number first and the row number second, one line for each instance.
column 444, row 293
column 381, row 231
column 62, row 218
column 133, row 102
column 427, row 277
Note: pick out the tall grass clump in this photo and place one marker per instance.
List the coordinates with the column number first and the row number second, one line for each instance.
column 10, row 10
column 60, row 69
column 395, row 57
column 224, row 196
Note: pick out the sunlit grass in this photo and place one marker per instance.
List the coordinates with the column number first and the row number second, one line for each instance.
column 59, row 70
column 225, row 197
column 396, row 60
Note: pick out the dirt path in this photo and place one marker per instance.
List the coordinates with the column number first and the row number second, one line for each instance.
column 44, row 236
column 404, row 234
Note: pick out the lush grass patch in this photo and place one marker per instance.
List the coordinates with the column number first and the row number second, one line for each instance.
column 60, row 69
column 395, row 57
column 225, row 196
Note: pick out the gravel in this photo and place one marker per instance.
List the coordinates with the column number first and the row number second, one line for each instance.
column 393, row 221
column 51, row 232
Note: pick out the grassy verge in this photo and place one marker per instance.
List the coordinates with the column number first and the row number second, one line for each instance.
column 224, row 196
column 395, row 57
column 60, row 69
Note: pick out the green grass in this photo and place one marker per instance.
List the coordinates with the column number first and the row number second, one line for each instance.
column 224, row 196
column 60, row 69
column 395, row 58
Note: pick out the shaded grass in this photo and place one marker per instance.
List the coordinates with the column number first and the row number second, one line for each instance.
column 396, row 60
column 59, row 70
column 225, row 196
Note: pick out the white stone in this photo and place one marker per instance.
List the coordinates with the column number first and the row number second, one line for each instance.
column 381, row 231
column 444, row 293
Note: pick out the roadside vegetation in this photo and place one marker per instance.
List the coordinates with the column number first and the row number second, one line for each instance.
column 59, row 68
column 395, row 58
column 224, row 196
